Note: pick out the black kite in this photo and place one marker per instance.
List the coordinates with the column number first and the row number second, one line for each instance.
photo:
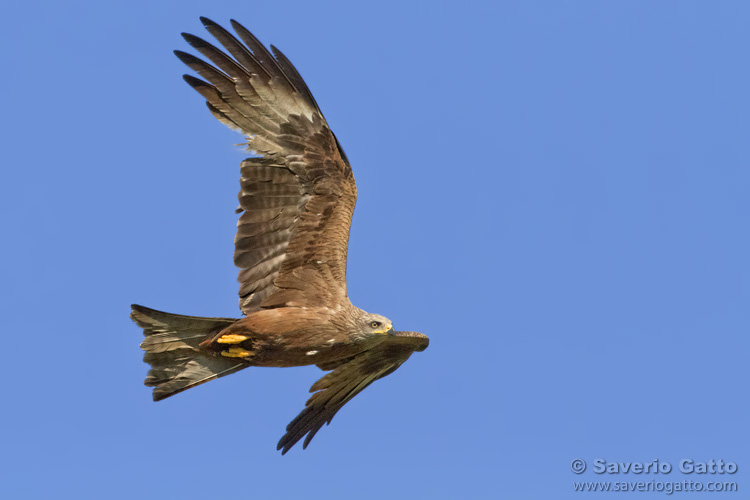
column 296, row 201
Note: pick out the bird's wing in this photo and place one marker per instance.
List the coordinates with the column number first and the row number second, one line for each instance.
column 335, row 388
column 298, row 197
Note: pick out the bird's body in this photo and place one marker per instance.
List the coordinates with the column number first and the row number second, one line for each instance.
column 293, row 336
column 296, row 203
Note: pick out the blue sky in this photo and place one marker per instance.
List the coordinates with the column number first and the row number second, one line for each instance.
column 555, row 192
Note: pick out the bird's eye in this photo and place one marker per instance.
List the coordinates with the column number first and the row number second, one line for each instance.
column 375, row 324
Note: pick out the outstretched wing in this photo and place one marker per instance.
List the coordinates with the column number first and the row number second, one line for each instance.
column 346, row 381
column 298, row 198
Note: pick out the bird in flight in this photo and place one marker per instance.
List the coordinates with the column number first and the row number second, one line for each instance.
column 297, row 197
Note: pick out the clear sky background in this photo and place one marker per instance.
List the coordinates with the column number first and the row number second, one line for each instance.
column 556, row 192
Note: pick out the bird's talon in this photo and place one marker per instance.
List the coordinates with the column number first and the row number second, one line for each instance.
column 236, row 352
column 231, row 339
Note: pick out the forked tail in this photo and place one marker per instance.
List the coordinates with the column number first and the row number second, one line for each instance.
column 171, row 345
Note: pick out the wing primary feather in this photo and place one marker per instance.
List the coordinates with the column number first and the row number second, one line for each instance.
column 296, row 79
column 222, row 94
column 219, row 58
column 261, row 53
column 205, row 70
column 235, row 47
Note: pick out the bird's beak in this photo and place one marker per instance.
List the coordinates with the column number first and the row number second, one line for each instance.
column 388, row 330
column 391, row 331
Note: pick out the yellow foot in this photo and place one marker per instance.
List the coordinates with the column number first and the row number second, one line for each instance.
column 236, row 352
column 231, row 339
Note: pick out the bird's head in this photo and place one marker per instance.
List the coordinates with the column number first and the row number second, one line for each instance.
column 375, row 324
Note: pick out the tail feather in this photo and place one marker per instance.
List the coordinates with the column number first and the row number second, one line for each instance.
column 172, row 349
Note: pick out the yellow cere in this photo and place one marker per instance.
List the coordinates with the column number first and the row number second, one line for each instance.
column 231, row 339
column 384, row 330
column 236, row 352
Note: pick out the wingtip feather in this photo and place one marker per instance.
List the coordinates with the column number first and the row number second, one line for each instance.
column 207, row 22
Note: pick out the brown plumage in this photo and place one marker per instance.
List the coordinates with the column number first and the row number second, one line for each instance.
column 296, row 203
